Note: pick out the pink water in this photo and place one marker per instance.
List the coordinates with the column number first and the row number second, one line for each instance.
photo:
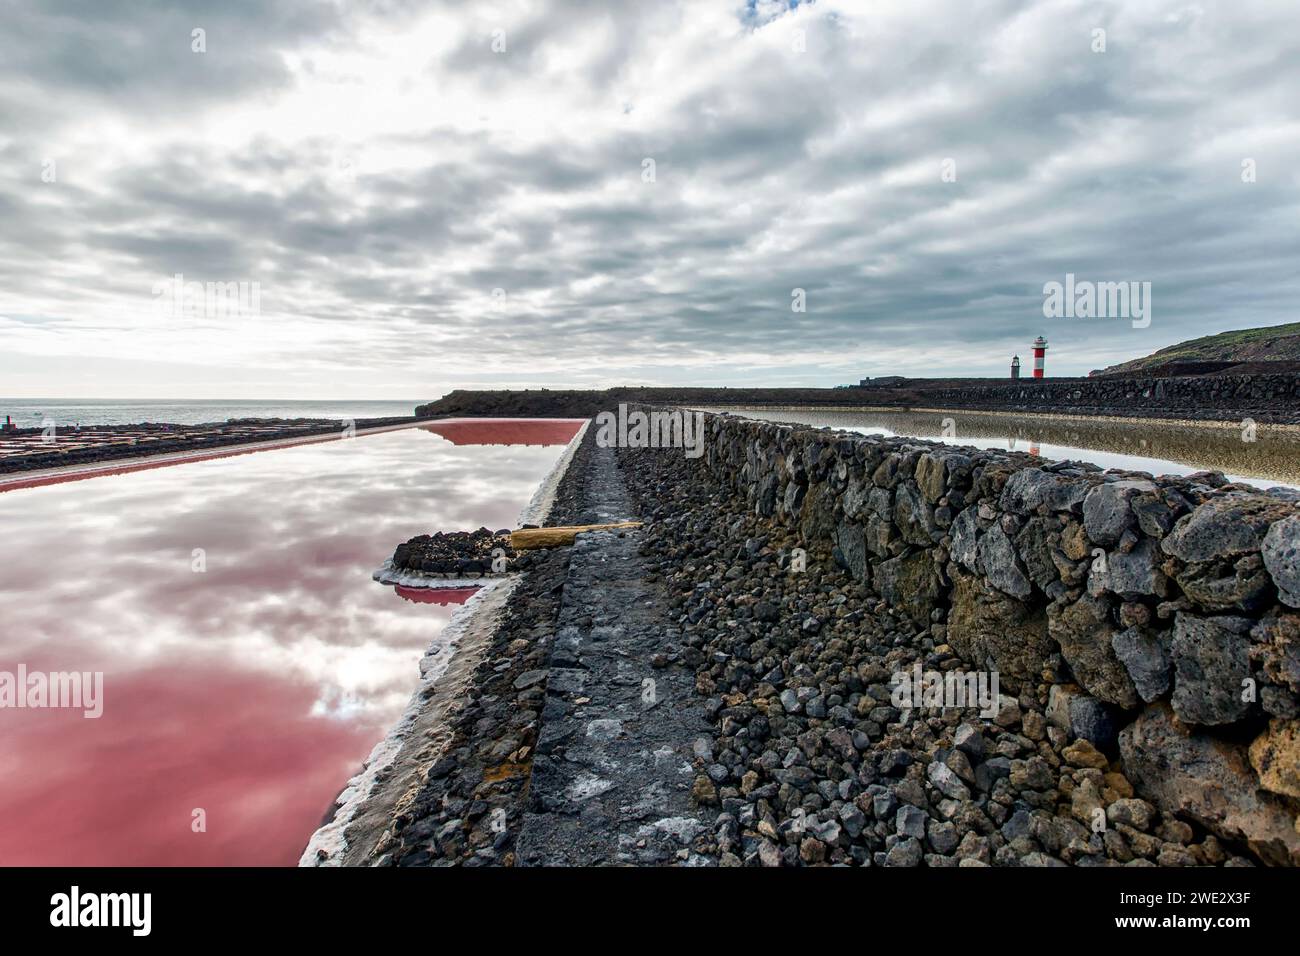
column 251, row 690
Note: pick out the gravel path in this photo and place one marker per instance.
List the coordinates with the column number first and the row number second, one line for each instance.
column 613, row 774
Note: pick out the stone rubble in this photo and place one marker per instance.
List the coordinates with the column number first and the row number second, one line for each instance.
column 451, row 554
column 1143, row 634
column 1145, row 647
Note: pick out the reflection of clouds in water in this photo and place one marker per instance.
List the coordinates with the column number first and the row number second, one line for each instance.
column 253, row 689
column 119, row 790
column 290, row 538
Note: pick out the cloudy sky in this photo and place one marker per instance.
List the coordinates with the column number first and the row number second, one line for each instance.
column 456, row 194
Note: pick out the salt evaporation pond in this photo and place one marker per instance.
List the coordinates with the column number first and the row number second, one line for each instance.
column 251, row 689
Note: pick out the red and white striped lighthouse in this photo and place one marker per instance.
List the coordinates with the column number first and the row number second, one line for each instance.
column 1040, row 351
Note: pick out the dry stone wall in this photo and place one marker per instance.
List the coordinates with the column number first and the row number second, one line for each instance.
column 1267, row 397
column 1262, row 397
column 1163, row 611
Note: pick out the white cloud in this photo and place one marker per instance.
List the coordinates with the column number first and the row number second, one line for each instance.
column 379, row 170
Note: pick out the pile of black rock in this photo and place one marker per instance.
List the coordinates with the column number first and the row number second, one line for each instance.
column 456, row 553
column 812, row 762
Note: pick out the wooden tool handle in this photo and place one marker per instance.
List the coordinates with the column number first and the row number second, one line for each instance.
column 528, row 538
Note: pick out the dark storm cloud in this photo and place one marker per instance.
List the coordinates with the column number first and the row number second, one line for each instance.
column 775, row 169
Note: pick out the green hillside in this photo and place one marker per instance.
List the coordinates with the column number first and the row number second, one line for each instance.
column 1276, row 343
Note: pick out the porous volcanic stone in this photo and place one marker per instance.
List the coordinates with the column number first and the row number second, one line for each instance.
column 1211, row 663
column 990, row 628
column 1084, row 631
column 1209, row 781
column 1281, row 549
column 1275, row 755
column 1031, row 488
column 1145, row 659
column 1222, row 527
column 1106, row 511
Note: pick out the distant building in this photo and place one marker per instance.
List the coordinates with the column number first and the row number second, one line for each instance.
column 1015, row 366
column 885, row 381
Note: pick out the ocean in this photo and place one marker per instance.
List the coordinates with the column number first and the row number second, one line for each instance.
column 30, row 412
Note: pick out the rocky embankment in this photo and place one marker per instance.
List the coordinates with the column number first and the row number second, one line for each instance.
column 466, row 803
column 723, row 685
column 1144, row 633
column 572, row 741
column 1269, row 397
column 1266, row 397
column 29, row 451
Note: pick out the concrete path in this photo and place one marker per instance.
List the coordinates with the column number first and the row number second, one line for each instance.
column 611, row 781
